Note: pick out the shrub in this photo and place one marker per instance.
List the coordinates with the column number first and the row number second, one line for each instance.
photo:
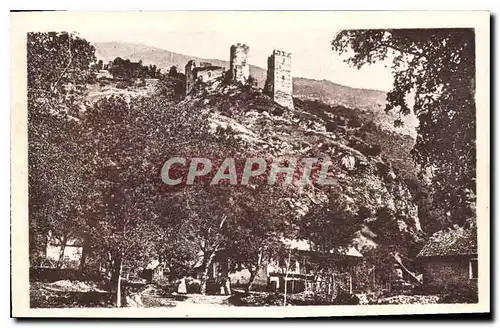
column 193, row 286
column 346, row 299
column 252, row 81
column 459, row 294
column 331, row 126
column 122, row 85
column 355, row 122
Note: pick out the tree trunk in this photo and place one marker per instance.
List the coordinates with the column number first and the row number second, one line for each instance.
column 253, row 273
column 251, row 279
column 116, row 277
column 61, row 252
column 119, row 287
column 286, row 275
column 203, row 290
column 85, row 252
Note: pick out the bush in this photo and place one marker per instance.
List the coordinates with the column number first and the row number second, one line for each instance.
column 331, row 126
column 193, row 286
column 354, row 122
column 252, row 82
column 373, row 150
column 122, row 85
column 346, row 299
column 459, row 294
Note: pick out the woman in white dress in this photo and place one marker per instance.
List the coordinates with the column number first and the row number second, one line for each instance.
column 182, row 289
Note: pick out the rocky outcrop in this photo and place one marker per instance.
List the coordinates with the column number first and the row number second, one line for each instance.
column 363, row 178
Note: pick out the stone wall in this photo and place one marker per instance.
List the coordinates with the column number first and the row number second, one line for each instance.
column 238, row 65
column 441, row 272
column 209, row 74
column 279, row 78
column 190, row 76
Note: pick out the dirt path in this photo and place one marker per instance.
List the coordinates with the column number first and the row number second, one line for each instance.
column 153, row 297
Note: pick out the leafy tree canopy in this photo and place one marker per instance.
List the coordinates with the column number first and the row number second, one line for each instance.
column 438, row 66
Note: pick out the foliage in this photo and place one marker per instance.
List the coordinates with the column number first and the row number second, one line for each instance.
column 438, row 65
column 317, row 225
column 459, row 294
column 258, row 222
column 58, row 70
column 126, row 69
column 172, row 86
column 252, row 81
column 58, row 63
column 346, row 299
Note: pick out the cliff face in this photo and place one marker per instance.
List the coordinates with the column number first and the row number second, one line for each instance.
column 365, row 179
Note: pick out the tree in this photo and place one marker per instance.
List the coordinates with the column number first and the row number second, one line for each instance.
column 318, row 223
column 58, row 70
column 257, row 225
column 58, row 63
column 329, row 228
column 173, row 71
column 125, row 147
column 438, row 66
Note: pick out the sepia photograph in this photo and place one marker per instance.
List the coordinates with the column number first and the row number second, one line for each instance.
column 250, row 163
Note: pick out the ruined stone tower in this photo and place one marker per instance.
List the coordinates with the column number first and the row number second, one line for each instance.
column 190, row 80
column 239, row 68
column 279, row 78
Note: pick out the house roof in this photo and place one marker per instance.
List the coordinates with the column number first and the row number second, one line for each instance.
column 305, row 245
column 153, row 265
column 451, row 242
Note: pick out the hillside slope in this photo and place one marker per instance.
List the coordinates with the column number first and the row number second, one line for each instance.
column 372, row 101
column 366, row 181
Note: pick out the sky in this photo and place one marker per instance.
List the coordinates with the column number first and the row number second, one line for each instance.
column 306, row 35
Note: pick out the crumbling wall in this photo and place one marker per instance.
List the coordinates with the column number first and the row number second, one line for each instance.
column 279, row 83
column 209, row 73
column 238, row 65
column 190, row 76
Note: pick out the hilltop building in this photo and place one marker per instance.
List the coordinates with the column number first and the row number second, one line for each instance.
column 239, row 69
column 206, row 72
column 279, row 84
column 238, row 65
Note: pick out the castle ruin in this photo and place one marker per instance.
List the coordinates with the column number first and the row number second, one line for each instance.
column 205, row 73
column 239, row 68
column 279, row 83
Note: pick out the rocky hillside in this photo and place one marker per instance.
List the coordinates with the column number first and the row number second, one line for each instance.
column 370, row 101
column 366, row 179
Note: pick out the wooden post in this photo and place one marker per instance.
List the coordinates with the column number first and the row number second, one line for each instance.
column 390, row 280
column 286, row 275
column 119, row 289
column 334, row 283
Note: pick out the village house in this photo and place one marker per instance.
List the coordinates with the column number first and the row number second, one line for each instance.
column 449, row 259
column 299, row 276
column 205, row 73
column 152, row 271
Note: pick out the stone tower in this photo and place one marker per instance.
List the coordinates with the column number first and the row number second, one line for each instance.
column 279, row 78
column 239, row 68
column 190, row 66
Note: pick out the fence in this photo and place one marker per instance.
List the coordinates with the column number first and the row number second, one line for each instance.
column 331, row 285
